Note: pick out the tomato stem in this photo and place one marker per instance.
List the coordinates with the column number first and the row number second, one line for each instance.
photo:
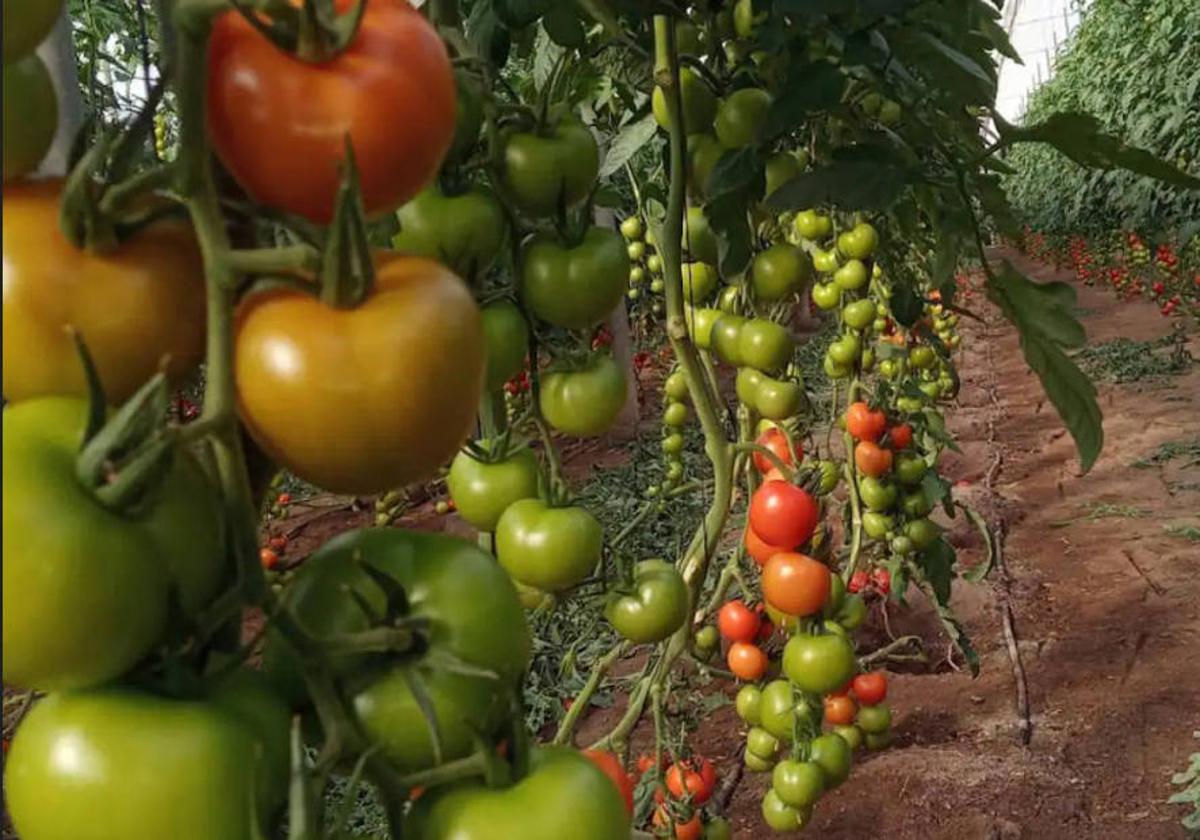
column 580, row 704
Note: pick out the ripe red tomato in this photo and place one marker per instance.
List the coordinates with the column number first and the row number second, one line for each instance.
column 858, row 581
column 693, row 829
column 645, row 763
column 280, row 124
column 737, row 622
column 611, row 765
column 901, row 436
column 872, row 459
column 268, row 558
column 882, row 580
column 775, row 440
column 864, row 424
column 746, row 661
column 783, row 514
column 870, row 688
column 759, row 549
column 839, row 710
column 278, row 543
column 682, row 781
column 796, row 584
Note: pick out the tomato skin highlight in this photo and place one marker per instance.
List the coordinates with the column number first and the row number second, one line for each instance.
column 363, row 400
column 143, row 767
column 279, row 124
column 155, row 279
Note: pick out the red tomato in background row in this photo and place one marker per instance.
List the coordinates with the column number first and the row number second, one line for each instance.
column 783, row 514
column 280, row 124
column 737, row 622
column 611, row 765
column 775, row 440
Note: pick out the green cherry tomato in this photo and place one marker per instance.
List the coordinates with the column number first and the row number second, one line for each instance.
column 826, row 262
column 859, row 315
column 874, row 720
column 699, row 103
column 698, row 238
column 762, row 743
column 851, row 734
column 811, row 225
column 704, row 150
column 748, row 703
column 30, row 112
column 718, row 829
column 921, row 358
column 674, row 471
column 909, row 405
column 657, row 606
column 779, row 272
column 831, row 476
column 916, row 504
column 672, row 444
column 564, row 795
column 707, row 638
column 890, row 112
column 879, row 496
column 586, row 402
column 482, row 491
column 781, row 168
column 546, row 171
column 699, row 282
column 798, row 783
column 118, row 762
column 654, row 262
column 846, row 350
column 636, row 251
column 574, row 287
column 888, row 369
column 851, row 276
column 86, row 589
column 826, row 296
column 676, row 386
column 859, row 242
column 877, row 525
column 465, row 232
column 765, row 345
column 675, row 415
column 777, row 709
column 819, row 664
column 700, row 321
column 833, row 755
column 741, row 117
column 834, row 369
column 548, row 548
column 777, row 400
column 506, row 339
column 726, row 338
column 781, row 817
column 901, row 546
column 632, row 228
column 923, row 533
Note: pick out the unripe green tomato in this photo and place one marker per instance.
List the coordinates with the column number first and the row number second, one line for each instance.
column 781, row 168
column 636, row 250
column 675, row 415
column 890, row 112
column 765, row 345
column 845, row 351
column 879, row 325
column 672, row 444
column 933, row 390
column 916, row 504
column 633, row 294
column 726, row 335
column 877, row 525
column 698, row 239
column 870, row 104
column 699, row 282
column 853, row 612
column 762, row 743
column 910, row 468
column 901, row 546
column 877, row 272
column 637, row 275
column 652, row 491
column 777, row 400
column 826, row 296
column 746, row 17
column 880, row 741
column 852, row 735
column 741, row 117
column 727, row 299
column 834, row 369
column 656, row 286
column 779, row 272
column 657, row 308
column 798, row 783
column 747, row 704
column 699, row 103
column 874, row 720
column 676, row 386
column 923, row 533
column 868, row 360
column 859, row 315
column 674, row 472
column 632, row 228
column 831, row 475
column 825, row 262
column 654, row 264
column 700, row 321
column 707, row 638
column 755, row 764
column 704, row 150
column 746, row 385
column 851, row 276
column 859, row 242
column 887, row 369
column 782, row 818
column 909, row 405
column 921, row 358
column 954, row 341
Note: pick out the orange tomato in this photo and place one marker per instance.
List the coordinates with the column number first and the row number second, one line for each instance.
column 280, row 124
column 865, row 423
column 746, row 661
column 839, row 710
column 796, row 584
column 760, row 549
column 872, row 459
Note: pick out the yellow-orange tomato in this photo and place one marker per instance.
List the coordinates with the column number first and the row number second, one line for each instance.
column 360, row 400
column 134, row 306
column 796, row 584
column 280, row 124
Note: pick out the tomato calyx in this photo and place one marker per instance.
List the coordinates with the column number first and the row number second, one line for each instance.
column 347, row 273
column 313, row 31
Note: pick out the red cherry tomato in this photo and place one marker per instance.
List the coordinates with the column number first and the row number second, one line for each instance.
column 882, row 581
column 737, row 622
column 870, row 688
column 901, row 436
column 858, row 581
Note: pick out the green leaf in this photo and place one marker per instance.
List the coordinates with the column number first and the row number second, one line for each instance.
column 628, row 143
column 1079, row 137
column 907, row 306
column 1043, row 313
column 810, row 88
column 727, row 217
column 737, row 171
column 848, row 184
column 937, row 562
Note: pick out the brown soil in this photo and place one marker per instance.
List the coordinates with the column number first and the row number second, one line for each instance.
column 1107, row 614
